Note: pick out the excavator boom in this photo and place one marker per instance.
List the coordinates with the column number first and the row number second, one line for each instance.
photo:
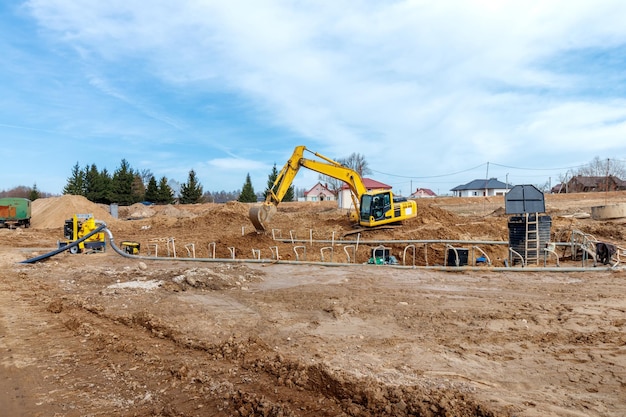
column 380, row 209
column 261, row 215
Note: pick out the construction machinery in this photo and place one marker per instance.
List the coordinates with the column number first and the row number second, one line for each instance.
column 79, row 226
column 130, row 247
column 15, row 212
column 373, row 207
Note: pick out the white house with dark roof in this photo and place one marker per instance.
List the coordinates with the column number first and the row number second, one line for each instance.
column 481, row 188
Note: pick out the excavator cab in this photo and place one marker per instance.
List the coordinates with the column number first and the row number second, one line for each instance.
column 375, row 206
column 381, row 207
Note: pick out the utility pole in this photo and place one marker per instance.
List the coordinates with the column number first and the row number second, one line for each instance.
column 487, row 179
column 606, row 194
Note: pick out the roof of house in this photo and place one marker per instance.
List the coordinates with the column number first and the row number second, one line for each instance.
column 490, row 184
column 595, row 181
column 560, row 187
column 370, row 184
column 425, row 191
column 588, row 181
column 325, row 188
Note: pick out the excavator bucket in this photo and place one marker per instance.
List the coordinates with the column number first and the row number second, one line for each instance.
column 260, row 215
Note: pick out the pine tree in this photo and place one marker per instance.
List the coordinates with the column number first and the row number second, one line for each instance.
column 152, row 191
column 92, row 177
column 247, row 193
column 271, row 178
column 289, row 194
column 166, row 194
column 138, row 190
column 122, row 184
column 191, row 191
column 104, row 188
column 76, row 183
column 97, row 185
column 34, row 193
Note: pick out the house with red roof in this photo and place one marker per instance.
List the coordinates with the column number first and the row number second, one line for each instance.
column 345, row 195
column 423, row 193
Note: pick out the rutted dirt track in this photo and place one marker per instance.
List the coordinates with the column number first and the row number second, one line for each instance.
column 102, row 335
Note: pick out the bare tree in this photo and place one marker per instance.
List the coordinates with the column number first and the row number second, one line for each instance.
column 603, row 167
column 145, row 175
column 356, row 162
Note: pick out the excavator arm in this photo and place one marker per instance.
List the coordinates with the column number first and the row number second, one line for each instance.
column 260, row 215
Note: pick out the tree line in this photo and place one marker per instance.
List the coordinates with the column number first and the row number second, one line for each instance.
column 22, row 191
column 127, row 186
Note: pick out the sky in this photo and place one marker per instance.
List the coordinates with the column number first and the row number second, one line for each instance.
column 433, row 94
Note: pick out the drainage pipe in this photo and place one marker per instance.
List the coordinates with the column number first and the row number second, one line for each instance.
column 316, row 263
column 382, row 242
column 274, row 261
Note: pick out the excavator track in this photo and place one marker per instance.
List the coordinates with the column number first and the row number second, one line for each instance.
column 370, row 229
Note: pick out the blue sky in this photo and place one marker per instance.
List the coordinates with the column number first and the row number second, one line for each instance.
column 432, row 93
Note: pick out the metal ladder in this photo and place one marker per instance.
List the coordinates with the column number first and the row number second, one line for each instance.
column 531, row 253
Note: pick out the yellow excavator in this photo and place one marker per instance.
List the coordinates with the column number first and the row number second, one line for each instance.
column 373, row 208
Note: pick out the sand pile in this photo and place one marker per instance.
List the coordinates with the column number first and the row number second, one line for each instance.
column 233, row 207
column 171, row 211
column 139, row 211
column 50, row 213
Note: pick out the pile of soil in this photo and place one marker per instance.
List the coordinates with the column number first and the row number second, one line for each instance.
column 50, row 213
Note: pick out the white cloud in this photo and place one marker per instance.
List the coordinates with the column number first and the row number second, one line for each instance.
column 235, row 164
column 418, row 87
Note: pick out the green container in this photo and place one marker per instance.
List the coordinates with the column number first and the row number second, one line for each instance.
column 14, row 212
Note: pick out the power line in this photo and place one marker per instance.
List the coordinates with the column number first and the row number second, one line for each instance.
column 431, row 176
column 482, row 165
column 537, row 169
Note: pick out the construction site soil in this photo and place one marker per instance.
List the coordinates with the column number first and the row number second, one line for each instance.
column 295, row 322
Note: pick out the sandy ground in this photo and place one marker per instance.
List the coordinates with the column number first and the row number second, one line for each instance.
column 102, row 335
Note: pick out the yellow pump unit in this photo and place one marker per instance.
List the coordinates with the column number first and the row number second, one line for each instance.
column 79, row 226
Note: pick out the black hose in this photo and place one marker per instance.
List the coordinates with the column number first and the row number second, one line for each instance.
column 66, row 247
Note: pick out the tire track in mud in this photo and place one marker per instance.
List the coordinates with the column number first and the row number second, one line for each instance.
column 239, row 376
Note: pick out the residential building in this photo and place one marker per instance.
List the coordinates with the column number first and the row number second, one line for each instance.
column 423, row 193
column 583, row 184
column 560, row 188
column 319, row 192
column 481, row 188
column 345, row 195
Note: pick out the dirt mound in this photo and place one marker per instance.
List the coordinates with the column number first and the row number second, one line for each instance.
column 174, row 212
column 429, row 214
column 232, row 207
column 50, row 213
column 137, row 211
